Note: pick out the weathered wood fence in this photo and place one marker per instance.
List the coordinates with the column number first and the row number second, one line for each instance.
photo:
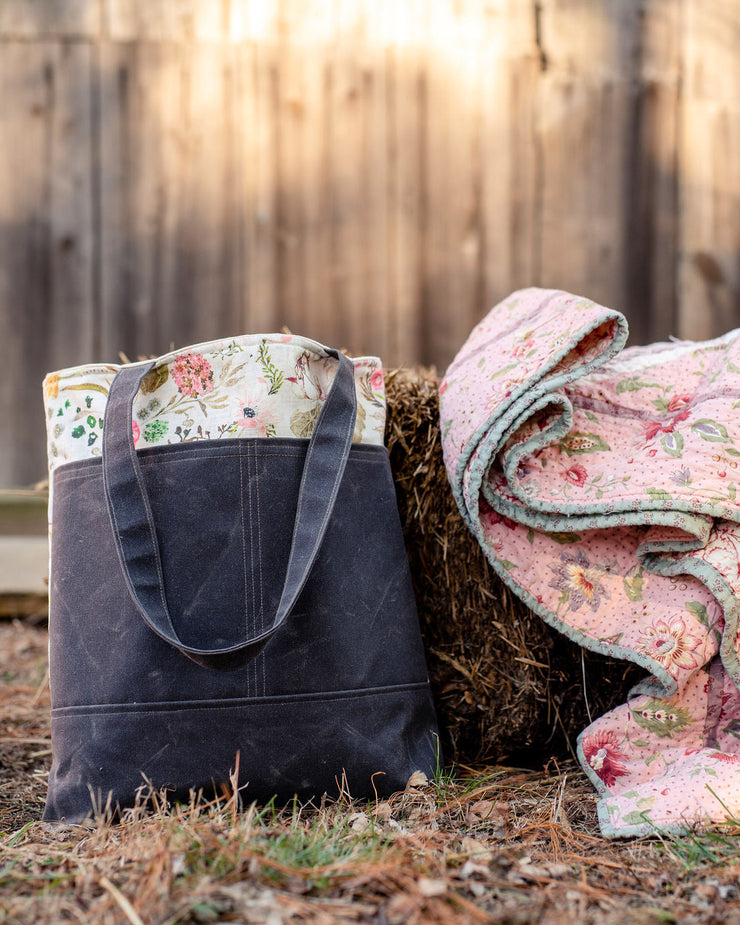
column 372, row 173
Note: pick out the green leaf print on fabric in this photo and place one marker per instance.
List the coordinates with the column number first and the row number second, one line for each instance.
column 637, row 817
column 272, row 374
column 712, row 431
column 658, row 494
column 699, row 611
column 155, row 431
column 564, row 539
column 662, row 717
column 576, row 443
column 633, row 582
column 673, row 444
column 634, row 384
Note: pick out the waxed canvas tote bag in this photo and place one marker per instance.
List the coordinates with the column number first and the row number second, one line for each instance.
column 228, row 582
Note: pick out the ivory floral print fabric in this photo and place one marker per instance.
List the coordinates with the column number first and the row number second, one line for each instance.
column 249, row 386
column 602, row 484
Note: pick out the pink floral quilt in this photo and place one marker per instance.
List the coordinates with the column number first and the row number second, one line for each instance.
column 602, row 484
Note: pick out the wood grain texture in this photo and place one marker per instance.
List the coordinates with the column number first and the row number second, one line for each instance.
column 370, row 173
column 50, row 19
column 709, row 159
column 47, row 243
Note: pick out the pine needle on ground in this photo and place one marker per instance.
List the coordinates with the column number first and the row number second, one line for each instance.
column 486, row 844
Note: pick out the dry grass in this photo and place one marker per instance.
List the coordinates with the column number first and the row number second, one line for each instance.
column 495, row 845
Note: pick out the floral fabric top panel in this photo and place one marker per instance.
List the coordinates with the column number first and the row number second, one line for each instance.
column 249, row 386
column 601, row 483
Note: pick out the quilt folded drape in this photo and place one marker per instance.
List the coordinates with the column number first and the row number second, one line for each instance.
column 602, row 484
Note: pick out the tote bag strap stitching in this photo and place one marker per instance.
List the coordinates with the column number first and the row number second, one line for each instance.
column 328, row 410
column 342, row 392
column 149, row 519
column 146, row 507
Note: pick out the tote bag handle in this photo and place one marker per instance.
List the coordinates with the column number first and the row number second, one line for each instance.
column 135, row 533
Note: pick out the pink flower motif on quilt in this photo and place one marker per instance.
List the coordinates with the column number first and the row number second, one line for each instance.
column 135, row 431
column 678, row 403
column 490, row 518
column 521, row 350
column 676, row 407
column 578, row 581
column 726, row 757
column 576, row 475
column 193, row 374
column 603, row 754
column 670, row 644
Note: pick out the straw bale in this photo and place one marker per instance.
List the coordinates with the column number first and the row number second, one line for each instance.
column 507, row 686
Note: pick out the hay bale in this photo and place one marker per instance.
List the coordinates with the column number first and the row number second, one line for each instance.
column 508, row 688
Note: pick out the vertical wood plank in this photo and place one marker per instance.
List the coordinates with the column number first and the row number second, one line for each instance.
column 510, row 75
column 651, row 222
column 141, row 145
column 317, row 305
column 45, row 236
column 405, row 194
column 709, row 157
column 348, row 105
column 584, row 126
column 46, row 19
column 290, row 223
column 166, row 20
column 204, row 305
column 437, row 334
column 169, row 239
column 70, row 330
column 452, row 243
column 26, row 80
column 255, row 121
column 253, row 22
column 377, row 317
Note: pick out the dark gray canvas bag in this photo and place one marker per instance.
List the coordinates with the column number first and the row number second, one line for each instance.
column 221, row 603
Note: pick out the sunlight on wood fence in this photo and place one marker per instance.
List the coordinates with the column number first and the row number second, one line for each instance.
column 371, row 173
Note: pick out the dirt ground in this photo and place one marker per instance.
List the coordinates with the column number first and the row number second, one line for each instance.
column 494, row 845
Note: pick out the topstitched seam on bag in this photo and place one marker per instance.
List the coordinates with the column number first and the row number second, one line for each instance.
column 235, row 703
column 272, row 446
column 312, row 445
column 250, row 487
column 335, row 487
column 244, row 551
column 111, row 506
column 202, row 456
column 63, row 474
column 79, row 470
column 261, row 657
column 306, row 469
column 223, row 444
column 267, row 445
